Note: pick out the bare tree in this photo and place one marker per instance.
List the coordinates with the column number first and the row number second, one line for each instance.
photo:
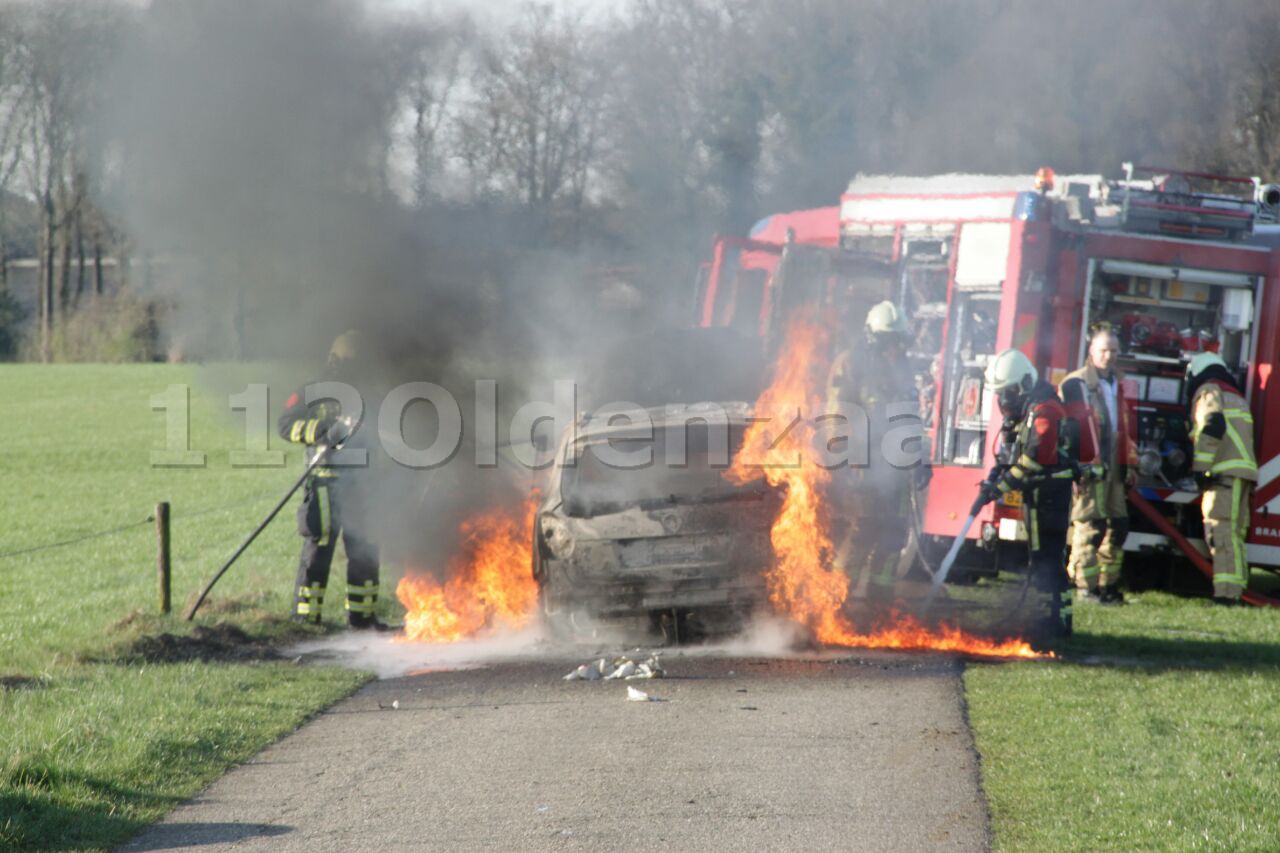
column 66, row 47
column 532, row 128
column 14, row 113
column 437, row 58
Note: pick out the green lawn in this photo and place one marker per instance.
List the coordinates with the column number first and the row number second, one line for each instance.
column 1160, row 729
column 96, row 739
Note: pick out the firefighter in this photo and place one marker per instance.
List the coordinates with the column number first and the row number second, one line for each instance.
column 333, row 505
column 1099, row 510
column 873, row 375
column 1225, row 469
column 1037, row 453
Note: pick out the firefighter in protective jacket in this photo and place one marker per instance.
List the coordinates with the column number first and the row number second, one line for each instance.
column 333, row 504
column 1225, row 468
column 1094, row 395
column 873, row 376
column 1037, row 459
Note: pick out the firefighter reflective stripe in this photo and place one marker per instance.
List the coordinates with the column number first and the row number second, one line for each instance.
column 1029, row 464
column 1246, row 461
column 1234, row 466
column 295, row 431
column 1033, row 529
column 322, row 504
column 312, row 425
column 310, row 599
column 363, row 598
column 1239, row 576
column 1223, row 433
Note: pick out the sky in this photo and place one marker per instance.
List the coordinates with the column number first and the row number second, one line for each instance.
column 495, row 10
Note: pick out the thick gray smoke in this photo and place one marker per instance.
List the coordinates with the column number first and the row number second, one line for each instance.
column 252, row 137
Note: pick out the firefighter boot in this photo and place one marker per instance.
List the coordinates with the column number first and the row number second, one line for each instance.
column 1111, row 594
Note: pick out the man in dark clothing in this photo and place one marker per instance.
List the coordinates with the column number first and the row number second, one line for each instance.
column 333, row 505
column 1036, row 459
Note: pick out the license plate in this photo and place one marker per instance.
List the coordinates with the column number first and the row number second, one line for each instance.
column 1012, row 499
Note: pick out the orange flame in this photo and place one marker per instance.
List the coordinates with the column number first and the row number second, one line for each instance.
column 490, row 581
column 802, row 584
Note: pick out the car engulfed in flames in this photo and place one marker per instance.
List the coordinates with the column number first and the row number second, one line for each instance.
column 661, row 544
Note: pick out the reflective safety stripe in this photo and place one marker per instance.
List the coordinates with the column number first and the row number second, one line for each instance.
column 322, row 499
column 366, row 588
column 1204, row 456
column 312, row 425
column 1242, row 465
column 1246, row 458
column 315, row 590
column 1233, row 579
column 295, row 431
column 1015, row 471
column 1033, row 529
column 361, row 606
column 1030, row 464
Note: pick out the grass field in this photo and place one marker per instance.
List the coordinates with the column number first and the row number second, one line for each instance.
column 99, row 735
column 1160, row 730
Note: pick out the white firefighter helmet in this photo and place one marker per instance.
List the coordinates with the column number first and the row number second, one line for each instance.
column 1202, row 362
column 884, row 318
column 1011, row 371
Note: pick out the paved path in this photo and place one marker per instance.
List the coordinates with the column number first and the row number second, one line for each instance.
column 867, row 752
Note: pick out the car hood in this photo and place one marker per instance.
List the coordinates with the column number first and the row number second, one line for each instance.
column 675, row 519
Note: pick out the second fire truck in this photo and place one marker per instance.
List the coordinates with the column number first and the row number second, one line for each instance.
column 1176, row 262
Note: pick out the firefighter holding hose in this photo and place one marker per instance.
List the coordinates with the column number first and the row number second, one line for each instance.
column 1225, row 469
column 332, row 505
column 1036, row 459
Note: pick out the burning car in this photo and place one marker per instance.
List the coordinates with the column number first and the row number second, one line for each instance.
column 666, row 546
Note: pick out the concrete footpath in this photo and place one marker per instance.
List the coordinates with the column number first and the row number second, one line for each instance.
column 862, row 752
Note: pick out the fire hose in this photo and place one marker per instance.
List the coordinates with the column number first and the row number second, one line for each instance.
column 1189, row 551
column 321, row 455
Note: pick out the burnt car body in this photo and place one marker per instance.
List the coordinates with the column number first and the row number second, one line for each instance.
column 672, row 548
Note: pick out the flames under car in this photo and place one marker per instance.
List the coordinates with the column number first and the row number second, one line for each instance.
column 668, row 546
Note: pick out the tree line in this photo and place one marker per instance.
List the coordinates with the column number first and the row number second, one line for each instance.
column 634, row 135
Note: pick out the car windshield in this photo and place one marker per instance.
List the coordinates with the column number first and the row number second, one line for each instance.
column 678, row 471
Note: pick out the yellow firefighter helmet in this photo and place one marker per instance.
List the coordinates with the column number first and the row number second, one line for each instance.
column 884, row 318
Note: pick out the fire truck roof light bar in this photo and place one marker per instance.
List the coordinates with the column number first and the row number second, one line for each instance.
column 1192, row 276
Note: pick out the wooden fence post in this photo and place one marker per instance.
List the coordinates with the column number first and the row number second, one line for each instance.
column 163, row 569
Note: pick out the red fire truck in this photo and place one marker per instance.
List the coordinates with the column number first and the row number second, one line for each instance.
column 1176, row 262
